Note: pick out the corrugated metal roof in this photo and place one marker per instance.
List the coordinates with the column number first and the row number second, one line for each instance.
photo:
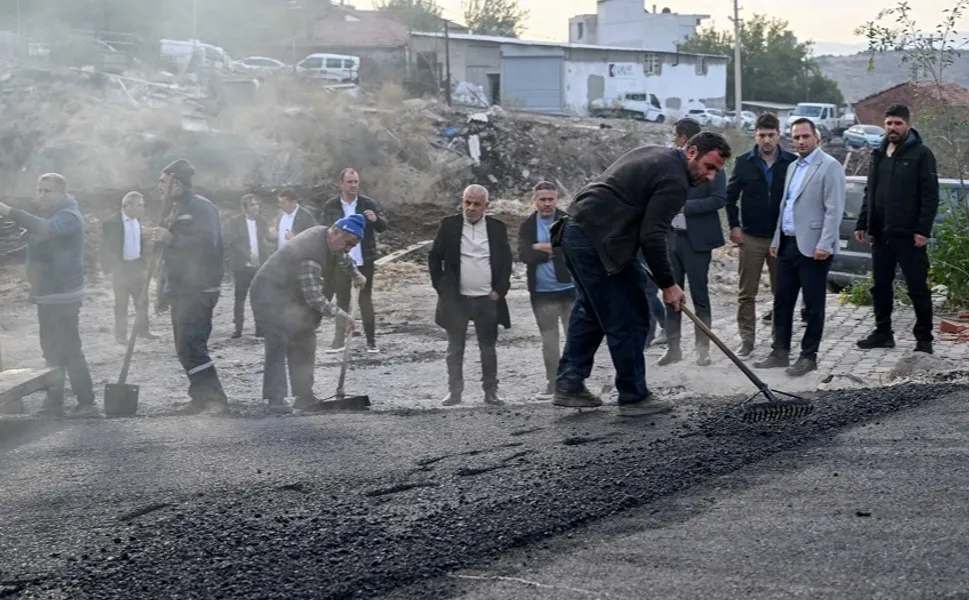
column 493, row 39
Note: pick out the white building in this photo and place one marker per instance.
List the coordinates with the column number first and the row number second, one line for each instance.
column 628, row 24
column 560, row 78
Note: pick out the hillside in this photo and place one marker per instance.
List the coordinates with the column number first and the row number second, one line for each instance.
column 851, row 73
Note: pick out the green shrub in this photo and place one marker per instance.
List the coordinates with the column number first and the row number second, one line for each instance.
column 858, row 292
column 949, row 256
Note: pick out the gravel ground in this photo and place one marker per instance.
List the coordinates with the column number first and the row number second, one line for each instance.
column 360, row 505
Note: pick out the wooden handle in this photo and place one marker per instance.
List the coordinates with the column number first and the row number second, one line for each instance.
column 348, row 335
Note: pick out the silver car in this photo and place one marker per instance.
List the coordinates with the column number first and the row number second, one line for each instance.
column 863, row 136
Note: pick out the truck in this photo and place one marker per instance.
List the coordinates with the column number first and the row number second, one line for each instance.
column 825, row 116
column 642, row 106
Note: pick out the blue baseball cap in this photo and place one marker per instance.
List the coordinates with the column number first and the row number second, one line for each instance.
column 354, row 224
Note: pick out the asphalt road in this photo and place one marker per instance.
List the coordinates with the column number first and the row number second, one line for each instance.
column 865, row 499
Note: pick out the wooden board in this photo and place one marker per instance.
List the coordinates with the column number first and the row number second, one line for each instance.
column 402, row 252
column 17, row 383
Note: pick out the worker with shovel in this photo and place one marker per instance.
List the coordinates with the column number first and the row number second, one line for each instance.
column 194, row 263
column 288, row 304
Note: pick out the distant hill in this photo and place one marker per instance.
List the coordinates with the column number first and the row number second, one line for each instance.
column 851, row 73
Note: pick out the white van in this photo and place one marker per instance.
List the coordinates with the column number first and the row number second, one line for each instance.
column 179, row 52
column 330, row 67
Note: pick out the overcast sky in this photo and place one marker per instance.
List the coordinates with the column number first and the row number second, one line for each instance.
column 829, row 23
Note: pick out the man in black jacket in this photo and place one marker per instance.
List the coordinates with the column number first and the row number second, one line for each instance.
column 626, row 209
column 549, row 283
column 123, row 257
column 696, row 232
column 350, row 202
column 293, row 219
column 901, row 202
column 249, row 247
column 757, row 183
column 194, row 263
column 470, row 265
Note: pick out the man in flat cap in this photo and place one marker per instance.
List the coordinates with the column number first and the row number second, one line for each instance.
column 191, row 282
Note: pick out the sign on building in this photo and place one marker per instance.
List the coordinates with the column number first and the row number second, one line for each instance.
column 622, row 70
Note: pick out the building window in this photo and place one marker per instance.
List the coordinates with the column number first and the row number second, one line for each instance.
column 652, row 65
column 701, row 66
column 579, row 30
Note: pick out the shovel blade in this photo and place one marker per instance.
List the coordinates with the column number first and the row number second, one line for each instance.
column 120, row 400
column 346, row 403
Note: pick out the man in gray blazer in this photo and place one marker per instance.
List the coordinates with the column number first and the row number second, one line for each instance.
column 804, row 241
column 696, row 231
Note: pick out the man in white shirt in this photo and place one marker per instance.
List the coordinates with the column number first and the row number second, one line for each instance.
column 293, row 219
column 123, row 257
column 249, row 247
column 364, row 255
column 470, row 265
column 806, row 237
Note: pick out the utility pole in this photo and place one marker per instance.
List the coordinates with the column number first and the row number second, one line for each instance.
column 195, row 17
column 447, row 62
column 737, row 87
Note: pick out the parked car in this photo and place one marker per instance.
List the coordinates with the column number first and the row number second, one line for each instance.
column 853, row 260
column 258, row 66
column 707, row 117
column 330, row 67
column 863, row 136
column 747, row 117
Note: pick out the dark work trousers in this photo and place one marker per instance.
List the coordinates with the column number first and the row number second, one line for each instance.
column 657, row 310
column 887, row 253
column 127, row 280
column 284, row 345
column 191, row 326
column 552, row 310
column 243, row 279
column 610, row 306
column 483, row 312
column 60, row 342
column 690, row 268
column 344, row 286
column 796, row 272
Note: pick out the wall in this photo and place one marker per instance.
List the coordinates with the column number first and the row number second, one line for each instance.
column 871, row 111
column 470, row 61
column 676, row 86
column 588, row 30
column 626, row 23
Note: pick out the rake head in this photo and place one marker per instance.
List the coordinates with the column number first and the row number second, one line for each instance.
column 776, row 409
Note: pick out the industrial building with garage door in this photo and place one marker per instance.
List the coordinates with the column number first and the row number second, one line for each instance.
column 568, row 79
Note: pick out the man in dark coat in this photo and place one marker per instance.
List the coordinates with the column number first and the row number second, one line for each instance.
column 550, row 286
column 696, row 232
column 350, row 202
column 901, row 202
column 249, row 247
column 194, row 263
column 625, row 210
column 293, row 219
column 124, row 259
column 288, row 303
column 470, row 265
column 55, row 270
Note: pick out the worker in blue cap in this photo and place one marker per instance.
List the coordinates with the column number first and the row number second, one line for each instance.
column 288, row 304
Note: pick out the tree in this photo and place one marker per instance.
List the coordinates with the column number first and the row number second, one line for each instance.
column 774, row 65
column 418, row 15
column 503, row 18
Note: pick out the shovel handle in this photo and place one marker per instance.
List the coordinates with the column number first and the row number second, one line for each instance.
column 348, row 335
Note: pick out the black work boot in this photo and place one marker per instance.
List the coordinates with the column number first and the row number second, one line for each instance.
column 492, row 399
column 452, row 399
column 581, row 398
column 877, row 339
column 924, row 346
column 802, row 366
column 745, row 350
column 775, row 360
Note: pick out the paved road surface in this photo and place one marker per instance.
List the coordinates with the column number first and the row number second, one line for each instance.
column 515, row 503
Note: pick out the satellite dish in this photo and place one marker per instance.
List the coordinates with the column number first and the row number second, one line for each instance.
column 666, row 11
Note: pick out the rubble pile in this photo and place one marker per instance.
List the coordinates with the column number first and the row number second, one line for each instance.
column 106, row 131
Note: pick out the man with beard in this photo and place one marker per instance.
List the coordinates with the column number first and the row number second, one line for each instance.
column 625, row 210
column 55, row 270
column 901, row 201
column 191, row 282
